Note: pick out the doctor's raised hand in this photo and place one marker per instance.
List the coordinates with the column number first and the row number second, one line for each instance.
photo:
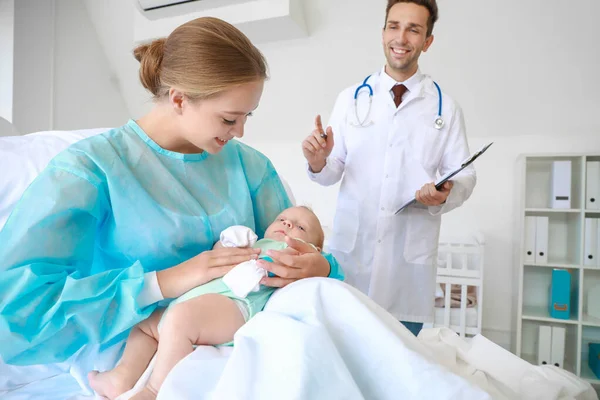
column 317, row 146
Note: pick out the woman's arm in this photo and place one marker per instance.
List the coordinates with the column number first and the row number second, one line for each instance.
column 51, row 302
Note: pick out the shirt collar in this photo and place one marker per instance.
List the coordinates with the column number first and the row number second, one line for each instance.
column 412, row 83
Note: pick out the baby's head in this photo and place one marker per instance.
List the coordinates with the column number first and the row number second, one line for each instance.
column 298, row 223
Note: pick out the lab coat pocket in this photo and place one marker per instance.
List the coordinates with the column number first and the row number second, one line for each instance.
column 345, row 226
column 422, row 234
column 426, row 147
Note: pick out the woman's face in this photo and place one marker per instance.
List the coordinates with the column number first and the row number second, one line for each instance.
column 209, row 124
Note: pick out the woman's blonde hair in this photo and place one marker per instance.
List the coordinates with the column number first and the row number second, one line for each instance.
column 202, row 58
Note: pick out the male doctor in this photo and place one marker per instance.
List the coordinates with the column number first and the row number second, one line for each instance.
column 385, row 154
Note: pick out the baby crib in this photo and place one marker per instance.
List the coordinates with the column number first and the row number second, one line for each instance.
column 459, row 294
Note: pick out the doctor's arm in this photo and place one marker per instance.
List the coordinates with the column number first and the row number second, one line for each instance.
column 455, row 152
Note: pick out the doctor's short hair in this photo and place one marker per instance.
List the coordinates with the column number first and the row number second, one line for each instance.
column 202, row 58
column 430, row 5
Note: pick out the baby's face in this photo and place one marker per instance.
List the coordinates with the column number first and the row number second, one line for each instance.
column 298, row 223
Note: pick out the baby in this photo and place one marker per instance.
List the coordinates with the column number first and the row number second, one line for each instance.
column 207, row 315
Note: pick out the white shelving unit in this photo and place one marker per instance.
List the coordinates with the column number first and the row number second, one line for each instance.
column 566, row 238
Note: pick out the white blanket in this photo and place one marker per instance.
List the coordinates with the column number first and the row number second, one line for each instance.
column 320, row 338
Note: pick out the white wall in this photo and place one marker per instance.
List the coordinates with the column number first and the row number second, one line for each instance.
column 61, row 75
column 525, row 74
column 86, row 91
column 7, row 24
column 113, row 23
column 32, row 85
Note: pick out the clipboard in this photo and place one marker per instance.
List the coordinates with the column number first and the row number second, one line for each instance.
column 446, row 178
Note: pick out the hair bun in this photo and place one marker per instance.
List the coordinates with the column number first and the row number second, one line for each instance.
column 150, row 56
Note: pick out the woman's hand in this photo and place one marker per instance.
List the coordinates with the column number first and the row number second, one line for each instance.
column 201, row 269
column 298, row 261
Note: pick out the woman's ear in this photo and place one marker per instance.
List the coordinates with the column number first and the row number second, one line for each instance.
column 176, row 99
column 318, row 248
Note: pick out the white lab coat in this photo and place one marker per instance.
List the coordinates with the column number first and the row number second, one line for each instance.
column 392, row 258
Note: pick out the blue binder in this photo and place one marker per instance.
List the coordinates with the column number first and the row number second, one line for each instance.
column 560, row 294
column 594, row 358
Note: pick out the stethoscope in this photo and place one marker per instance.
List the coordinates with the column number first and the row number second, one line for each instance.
column 438, row 123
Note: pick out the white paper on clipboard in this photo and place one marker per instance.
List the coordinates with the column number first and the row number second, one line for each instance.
column 450, row 174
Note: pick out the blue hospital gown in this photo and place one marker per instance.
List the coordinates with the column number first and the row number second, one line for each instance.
column 106, row 211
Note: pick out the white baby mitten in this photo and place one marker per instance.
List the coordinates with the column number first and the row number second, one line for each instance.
column 244, row 278
column 238, row 236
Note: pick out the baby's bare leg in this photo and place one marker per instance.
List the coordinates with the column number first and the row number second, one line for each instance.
column 141, row 346
column 210, row 319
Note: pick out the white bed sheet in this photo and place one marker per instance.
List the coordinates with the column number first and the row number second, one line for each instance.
column 334, row 342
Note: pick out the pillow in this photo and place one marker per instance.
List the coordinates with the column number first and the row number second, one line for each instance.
column 22, row 158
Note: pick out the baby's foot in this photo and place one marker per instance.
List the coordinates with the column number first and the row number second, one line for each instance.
column 145, row 394
column 109, row 384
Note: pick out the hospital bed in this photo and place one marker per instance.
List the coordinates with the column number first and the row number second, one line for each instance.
column 335, row 344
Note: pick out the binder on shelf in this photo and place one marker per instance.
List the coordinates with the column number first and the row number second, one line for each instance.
column 544, row 345
column 557, row 355
column 590, row 246
column 529, row 249
column 561, row 184
column 560, row 294
column 541, row 240
column 594, row 358
column 592, row 185
column 593, row 302
column 597, row 242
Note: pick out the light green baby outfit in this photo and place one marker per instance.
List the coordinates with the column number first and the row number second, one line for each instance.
column 254, row 302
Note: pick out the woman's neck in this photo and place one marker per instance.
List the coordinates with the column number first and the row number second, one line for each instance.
column 161, row 126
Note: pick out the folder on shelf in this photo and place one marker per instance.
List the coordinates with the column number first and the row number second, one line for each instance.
column 544, row 345
column 561, row 184
column 541, row 240
column 592, row 185
column 594, row 358
column 557, row 355
column 593, row 301
column 590, row 246
column 529, row 249
column 560, row 294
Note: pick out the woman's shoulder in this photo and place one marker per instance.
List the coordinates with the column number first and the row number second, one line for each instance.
column 90, row 157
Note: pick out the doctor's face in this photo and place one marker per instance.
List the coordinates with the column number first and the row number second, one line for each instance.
column 210, row 123
column 405, row 37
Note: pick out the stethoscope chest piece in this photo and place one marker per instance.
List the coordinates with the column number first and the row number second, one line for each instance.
column 438, row 123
